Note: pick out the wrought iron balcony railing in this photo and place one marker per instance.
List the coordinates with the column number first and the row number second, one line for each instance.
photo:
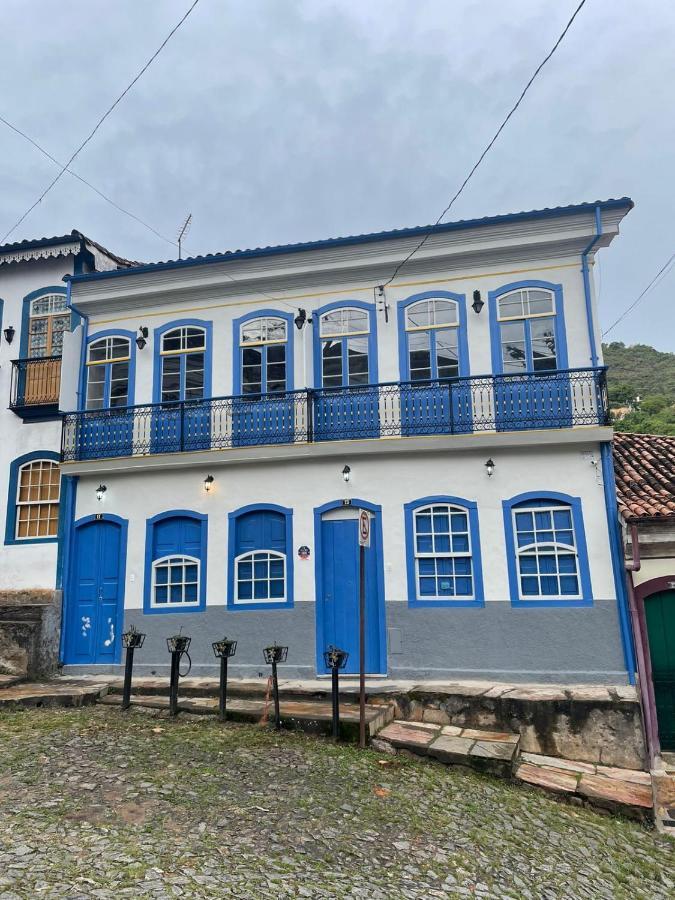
column 398, row 409
column 35, row 385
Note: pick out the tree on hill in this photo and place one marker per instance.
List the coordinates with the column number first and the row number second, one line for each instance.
column 641, row 371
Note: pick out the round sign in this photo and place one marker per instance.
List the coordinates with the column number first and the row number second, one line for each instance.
column 364, row 528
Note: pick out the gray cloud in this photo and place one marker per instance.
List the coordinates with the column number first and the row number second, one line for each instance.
column 282, row 120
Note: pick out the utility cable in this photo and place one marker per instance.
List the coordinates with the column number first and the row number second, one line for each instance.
column 101, row 121
column 663, row 271
column 488, row 147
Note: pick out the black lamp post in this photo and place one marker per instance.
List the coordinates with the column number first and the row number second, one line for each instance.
column 223, row 650
column 132, row 640
column 335, row 659
column 177, row 646
column 274, row 655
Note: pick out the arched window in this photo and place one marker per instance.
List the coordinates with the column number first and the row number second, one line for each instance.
column 344, row 335
column 108, row 360
column 175, row 578
column 546, row 550
column 37, row 500
column 263, row 357
column 182, row 363
column 260, row 569
column 432, row 333
column 527, row 330
column 443, row 552
column 49, row 319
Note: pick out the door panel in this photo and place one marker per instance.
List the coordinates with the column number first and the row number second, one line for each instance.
column 94, row 618
column 660, row 615
column 339, row 597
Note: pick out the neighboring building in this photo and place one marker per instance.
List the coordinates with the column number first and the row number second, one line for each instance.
column 34, row 316
column 235, row 411
column 645, row 482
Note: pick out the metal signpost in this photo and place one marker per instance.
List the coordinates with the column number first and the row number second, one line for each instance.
column 364, row 541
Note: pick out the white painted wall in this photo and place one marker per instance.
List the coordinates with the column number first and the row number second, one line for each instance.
column 390, row 481
column 24, row 565
column 565, row 271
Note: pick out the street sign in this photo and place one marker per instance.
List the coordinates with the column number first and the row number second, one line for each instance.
column 364, row 528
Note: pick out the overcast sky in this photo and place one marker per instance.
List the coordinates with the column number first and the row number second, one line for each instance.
column 275, row 121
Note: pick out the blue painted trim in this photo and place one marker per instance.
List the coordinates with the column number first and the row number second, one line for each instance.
column 124, row 526
column 25, row 313
column 587, row 287
column 2, row 306
column 84, row 320
column 416, row 231
column 560, row 329
column 472, row 509
column 574, row 503
column 157, row 362
column 64, row 559
column 236, row 349
column 372, row 338
column 231, row 553
column 10, row 526
column 616, row 550
column 376, row 510
column 462, row 343
column 150, row 610
column 111, row 332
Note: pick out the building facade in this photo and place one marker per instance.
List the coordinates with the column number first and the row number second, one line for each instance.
column 231, row 415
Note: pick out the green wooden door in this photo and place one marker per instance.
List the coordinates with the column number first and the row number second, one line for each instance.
column 660, row 613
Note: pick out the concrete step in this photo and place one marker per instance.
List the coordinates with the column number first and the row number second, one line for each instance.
column 10, row 680
column 245, row 689
column 311, row 716
column 485, row 751
column 50, row 693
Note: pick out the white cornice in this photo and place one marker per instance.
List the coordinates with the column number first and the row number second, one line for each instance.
column 14, row 256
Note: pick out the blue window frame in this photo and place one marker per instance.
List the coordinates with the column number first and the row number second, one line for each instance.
column 175, row 562
column 345, row 344
column 443, row 552
column 33, row 499
column 432, row 336
column 110, row 370
column 546, row 550
column 264, row 361
column 527, row 326
column 260, row 572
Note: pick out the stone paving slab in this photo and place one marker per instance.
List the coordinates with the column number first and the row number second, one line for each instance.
column 615, row 793
column 548, row 778
column 402, row 736
column 50, row 693
column 451, row 749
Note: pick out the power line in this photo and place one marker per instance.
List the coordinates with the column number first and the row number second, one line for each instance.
column 663, row 271
column 101, row 121
column 489, row 146
column 84, row 181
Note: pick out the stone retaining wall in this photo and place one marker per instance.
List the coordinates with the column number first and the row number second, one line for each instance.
column 30, row 623
column 592, row 724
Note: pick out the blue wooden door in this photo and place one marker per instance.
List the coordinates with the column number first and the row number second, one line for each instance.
column 339, row 597
column 95, row 610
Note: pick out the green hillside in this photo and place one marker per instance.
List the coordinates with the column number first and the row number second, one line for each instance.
column 641, row 371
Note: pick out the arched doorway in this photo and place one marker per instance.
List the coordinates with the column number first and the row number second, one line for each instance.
column 659, row 609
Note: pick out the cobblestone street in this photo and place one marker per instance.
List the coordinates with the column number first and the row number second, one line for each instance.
column 95, row 803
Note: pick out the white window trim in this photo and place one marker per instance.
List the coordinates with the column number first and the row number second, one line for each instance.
column 182, row 330
column 342, row 334
column 22, row 503
column 450, row 507
column 108, row 341
column 61, row 298
column 252, row 600
column 526, row 315
column 434, row 326
column 547, row 548
column 263, row 320
column 184, row 604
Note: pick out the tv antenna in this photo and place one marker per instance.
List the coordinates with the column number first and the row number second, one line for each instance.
column 181, row 234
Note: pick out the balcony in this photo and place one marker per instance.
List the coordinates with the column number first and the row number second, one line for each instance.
column 34, row 390
column 493, row 403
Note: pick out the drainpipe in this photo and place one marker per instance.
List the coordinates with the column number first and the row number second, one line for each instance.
column 587, row 287
column 644, row 666
column 83, row 348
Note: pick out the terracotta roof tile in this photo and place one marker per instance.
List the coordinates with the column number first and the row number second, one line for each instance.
column 644, row 466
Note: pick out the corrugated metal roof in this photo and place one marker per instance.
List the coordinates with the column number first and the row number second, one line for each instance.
column 416, row 231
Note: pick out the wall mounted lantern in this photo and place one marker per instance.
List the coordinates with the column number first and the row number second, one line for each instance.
column 100, row 492
column 208, row 483
column 142, row 338
column 477, row 304
column 10, row 331
column 300, row 319
column 489, row 468
column 346, row 473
